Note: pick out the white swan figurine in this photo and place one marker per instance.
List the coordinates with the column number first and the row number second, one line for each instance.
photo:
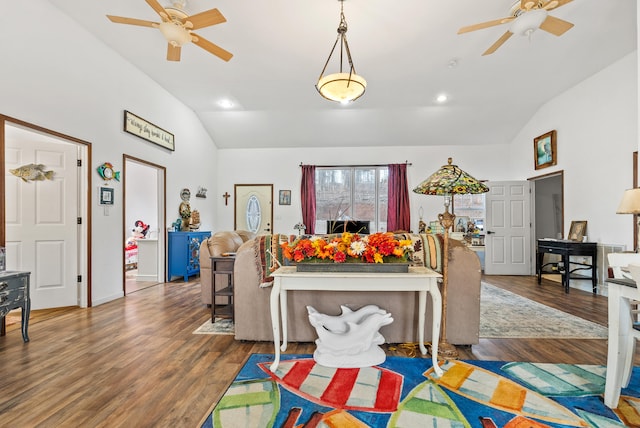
column 350, row 339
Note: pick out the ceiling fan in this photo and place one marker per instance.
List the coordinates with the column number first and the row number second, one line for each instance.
column 526, row 16
column 177, row 26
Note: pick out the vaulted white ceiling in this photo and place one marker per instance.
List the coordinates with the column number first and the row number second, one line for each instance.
column 404, row 49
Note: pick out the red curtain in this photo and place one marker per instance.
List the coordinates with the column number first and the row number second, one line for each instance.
column 398, row 214
column 308, row 198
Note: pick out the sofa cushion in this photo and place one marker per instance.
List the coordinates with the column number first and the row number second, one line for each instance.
column 245, row 235
column 223, row 242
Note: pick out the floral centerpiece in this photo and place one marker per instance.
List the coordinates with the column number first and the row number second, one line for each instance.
column 349, row 248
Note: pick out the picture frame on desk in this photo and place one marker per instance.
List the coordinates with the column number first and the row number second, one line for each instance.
column 577, row 231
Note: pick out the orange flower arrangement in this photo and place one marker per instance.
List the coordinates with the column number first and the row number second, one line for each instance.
column 379, row 247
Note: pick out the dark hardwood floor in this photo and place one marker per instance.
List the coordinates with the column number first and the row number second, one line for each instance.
column 134, row 362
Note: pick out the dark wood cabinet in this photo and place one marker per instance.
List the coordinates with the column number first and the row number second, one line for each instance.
column 14, row 294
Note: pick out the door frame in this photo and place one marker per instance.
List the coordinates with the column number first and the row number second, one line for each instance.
column 84, row 196
column 533, row 180
column 162, row 209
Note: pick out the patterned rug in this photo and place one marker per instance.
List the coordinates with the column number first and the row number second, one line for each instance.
column 404, row 392
column 508, row 315
column 221, row 326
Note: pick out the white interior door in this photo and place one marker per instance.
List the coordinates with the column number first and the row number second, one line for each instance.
column 254, row 208
column 41, row 217
column 508, row 228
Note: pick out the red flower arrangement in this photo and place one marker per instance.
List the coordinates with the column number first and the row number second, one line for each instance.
column 379, row 247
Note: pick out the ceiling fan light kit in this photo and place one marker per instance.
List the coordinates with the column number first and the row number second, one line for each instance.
column 341, row 87
column 528, row 22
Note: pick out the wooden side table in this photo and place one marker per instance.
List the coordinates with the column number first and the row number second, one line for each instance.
column 222, row 266
column 14, row 294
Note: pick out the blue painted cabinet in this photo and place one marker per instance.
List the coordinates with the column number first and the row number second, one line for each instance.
column 184, row 253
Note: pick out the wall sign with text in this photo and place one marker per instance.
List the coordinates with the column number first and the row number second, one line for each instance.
column 139, row 127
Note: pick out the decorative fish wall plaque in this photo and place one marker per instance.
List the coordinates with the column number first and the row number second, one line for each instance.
column 106, row 172
column 32, row 172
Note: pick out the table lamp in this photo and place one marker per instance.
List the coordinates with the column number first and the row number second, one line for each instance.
column 630, row 204
column 449, row 180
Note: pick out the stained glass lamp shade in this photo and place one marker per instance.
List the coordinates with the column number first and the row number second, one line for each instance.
column 448, row 180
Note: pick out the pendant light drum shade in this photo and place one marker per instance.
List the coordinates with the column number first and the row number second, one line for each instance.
column 342, row 87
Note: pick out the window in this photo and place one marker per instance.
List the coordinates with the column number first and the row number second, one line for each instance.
column 352, row 193
column 471, row 207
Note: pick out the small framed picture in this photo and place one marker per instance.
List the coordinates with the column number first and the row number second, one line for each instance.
column 577, row 231
column 544, row 150
column 285, row 197
column 106, row 196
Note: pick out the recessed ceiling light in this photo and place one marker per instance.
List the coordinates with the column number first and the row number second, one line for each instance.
column 441, row 98
column 226, row 104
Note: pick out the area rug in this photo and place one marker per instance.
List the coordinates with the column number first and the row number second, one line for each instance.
column 504, row 314
column 220, row 326
column 405, row 392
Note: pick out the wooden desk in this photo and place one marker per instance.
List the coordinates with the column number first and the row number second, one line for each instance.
column 419, row 279
column 14, row 294
column 566, row 249
column 621, row 293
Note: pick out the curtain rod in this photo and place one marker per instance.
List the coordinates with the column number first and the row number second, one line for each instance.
column 353, row 166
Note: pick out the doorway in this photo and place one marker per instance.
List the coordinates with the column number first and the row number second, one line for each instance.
column 45, row 223
column 143, row 219
column 548, row 200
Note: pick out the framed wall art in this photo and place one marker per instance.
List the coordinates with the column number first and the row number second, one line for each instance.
column 141, row 128
column 285, row 197
column 544, row 150
column 106, row 195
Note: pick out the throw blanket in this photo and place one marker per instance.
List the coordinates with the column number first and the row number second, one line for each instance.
column 268, row 256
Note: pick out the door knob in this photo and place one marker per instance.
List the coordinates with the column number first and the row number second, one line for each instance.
column 489, row 232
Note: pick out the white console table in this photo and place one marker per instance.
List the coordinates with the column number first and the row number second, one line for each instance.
column 418, row 279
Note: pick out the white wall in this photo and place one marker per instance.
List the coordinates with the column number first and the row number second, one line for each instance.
column 597, row 124
column 281, row 167
column 56, row 75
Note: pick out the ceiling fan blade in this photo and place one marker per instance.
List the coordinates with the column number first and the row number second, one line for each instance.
column 527, row 4
column 555, row 26
column 204, row 19
column 158, row 8
column 485, row 25
column 210, row 47
column 494, row 47
column 554, row 4
column 131, row 21
column 173, row 52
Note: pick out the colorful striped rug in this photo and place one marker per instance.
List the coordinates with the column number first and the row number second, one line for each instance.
column 404, row 392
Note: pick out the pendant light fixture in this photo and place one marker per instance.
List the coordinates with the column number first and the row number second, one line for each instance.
column 342, row 86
